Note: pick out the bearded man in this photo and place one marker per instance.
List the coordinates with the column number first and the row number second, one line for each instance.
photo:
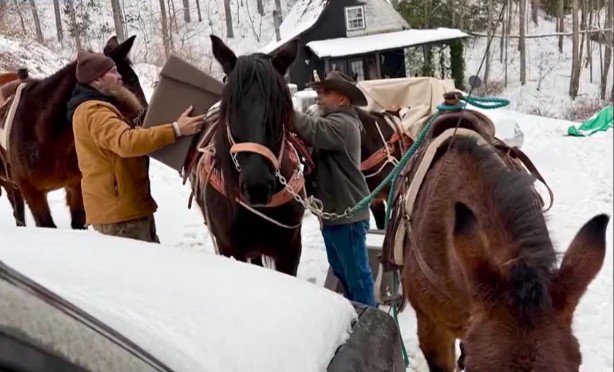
column 112, row 152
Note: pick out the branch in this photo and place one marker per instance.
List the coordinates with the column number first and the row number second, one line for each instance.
column 535, row 36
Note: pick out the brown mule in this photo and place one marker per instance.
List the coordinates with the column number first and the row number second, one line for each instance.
column 42, row 154
column 8, row 83
column 479, row 266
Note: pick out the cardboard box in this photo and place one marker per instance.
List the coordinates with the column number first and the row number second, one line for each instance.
column 180, row 85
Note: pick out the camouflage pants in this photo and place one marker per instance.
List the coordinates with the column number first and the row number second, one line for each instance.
column 141, row 229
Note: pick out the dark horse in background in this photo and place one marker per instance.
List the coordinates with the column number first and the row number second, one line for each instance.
column 42, row 153
column 382, row 145
column 252, row 153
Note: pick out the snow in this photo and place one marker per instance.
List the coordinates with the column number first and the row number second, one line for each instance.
column 346, row 46
column 579, row 170
column 193, row 310
column 301, row 17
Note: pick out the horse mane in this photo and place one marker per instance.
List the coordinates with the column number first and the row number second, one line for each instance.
column 278, row 112
column 534, row 262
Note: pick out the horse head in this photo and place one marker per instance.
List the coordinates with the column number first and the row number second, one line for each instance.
column 118, row 52
column 256, row 111
column 523, row 310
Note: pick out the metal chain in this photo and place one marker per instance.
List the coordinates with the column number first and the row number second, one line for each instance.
column 313, row 204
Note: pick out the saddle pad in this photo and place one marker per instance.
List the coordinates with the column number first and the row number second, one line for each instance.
column 416, row 183
column 6, row 124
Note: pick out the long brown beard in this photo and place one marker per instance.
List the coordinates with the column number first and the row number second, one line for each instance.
column 127, row 103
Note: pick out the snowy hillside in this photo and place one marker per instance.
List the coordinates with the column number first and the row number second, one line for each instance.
column 548, row 72
column 547, row 69
column 579, row 170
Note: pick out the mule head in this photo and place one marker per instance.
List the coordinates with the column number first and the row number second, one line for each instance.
column 119, row 54
column 521, row 317
column 256, row 109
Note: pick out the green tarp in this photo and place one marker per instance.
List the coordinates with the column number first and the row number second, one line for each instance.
column 600, row 122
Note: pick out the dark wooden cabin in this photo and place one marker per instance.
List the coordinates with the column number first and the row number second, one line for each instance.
column 363, row 38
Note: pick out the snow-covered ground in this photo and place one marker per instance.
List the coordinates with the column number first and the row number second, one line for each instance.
column 579, row 170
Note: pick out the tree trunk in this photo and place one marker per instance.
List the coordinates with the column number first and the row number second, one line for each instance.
column 118, row 20
column 609, row 48
column 172, row 14
column 522, row 42
column 186, row 11
column 58, row 20
column 561, row 28
column 23, row 24
column 37, row 23
column 276, row 23
column 278, row 8
column 200, row 16
column 535, row 5
column 228, row 16
column 503, row 32
column 575, row 79
column 488, row 53
column 260, row 7
column 165, row 31
column 73, row 24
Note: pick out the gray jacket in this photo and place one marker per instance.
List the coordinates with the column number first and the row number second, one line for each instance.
column 340, row 183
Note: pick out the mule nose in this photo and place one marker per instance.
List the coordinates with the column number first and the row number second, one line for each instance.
column 259, row 193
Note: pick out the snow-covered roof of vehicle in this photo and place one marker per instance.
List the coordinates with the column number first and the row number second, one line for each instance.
column 193, row 310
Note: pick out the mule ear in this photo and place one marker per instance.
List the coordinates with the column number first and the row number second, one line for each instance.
column 470, row 248
column 581, row 264
column 121, row 51
column 285, row 56
column 112, row 43
column 223, row 54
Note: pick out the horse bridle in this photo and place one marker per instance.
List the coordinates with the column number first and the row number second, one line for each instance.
column 256, row 148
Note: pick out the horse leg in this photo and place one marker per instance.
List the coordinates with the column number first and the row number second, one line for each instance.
column 39, row 206
column 74, row 199
column 378, row 208
column 287, row 261
column 436, row 343
column 17, row 203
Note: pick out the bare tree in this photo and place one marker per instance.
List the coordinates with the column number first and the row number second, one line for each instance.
column 74, row 26
column 186, row 11
column 58, row 20
column 280, row 18
column 276, row 24
column 488, row 53
column 260, row 7
column 561, row 22
column 228, row 16
column 609, row 48
column 574, row 82
column 522, row 41
column 37, row 23
column 165, row 31
column 535, row 6
column 118, row 20
column 200, row 16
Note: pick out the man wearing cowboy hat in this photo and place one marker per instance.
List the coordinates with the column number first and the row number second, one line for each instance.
column 335, row 136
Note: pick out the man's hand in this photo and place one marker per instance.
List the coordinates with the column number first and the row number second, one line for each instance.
column 189, row 125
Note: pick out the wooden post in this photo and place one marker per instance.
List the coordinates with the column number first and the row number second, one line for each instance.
column 378, row 65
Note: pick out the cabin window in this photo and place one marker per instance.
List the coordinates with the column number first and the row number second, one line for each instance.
column 355, row 18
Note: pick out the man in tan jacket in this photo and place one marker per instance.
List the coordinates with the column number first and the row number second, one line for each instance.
column 112, row 153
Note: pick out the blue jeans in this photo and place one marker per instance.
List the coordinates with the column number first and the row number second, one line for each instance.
column 346, row 248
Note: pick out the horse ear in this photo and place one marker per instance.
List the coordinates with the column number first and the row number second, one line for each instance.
column 581, row 264
column 285, row 56
column 122, row 50
column 112, row 43
column 470, row 248
column 223, row 54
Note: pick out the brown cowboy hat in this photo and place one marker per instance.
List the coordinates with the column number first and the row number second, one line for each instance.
column 340, row 82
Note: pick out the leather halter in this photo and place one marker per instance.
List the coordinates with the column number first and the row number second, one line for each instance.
column 389, row 147
column 257, row 149
column 205, row 167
